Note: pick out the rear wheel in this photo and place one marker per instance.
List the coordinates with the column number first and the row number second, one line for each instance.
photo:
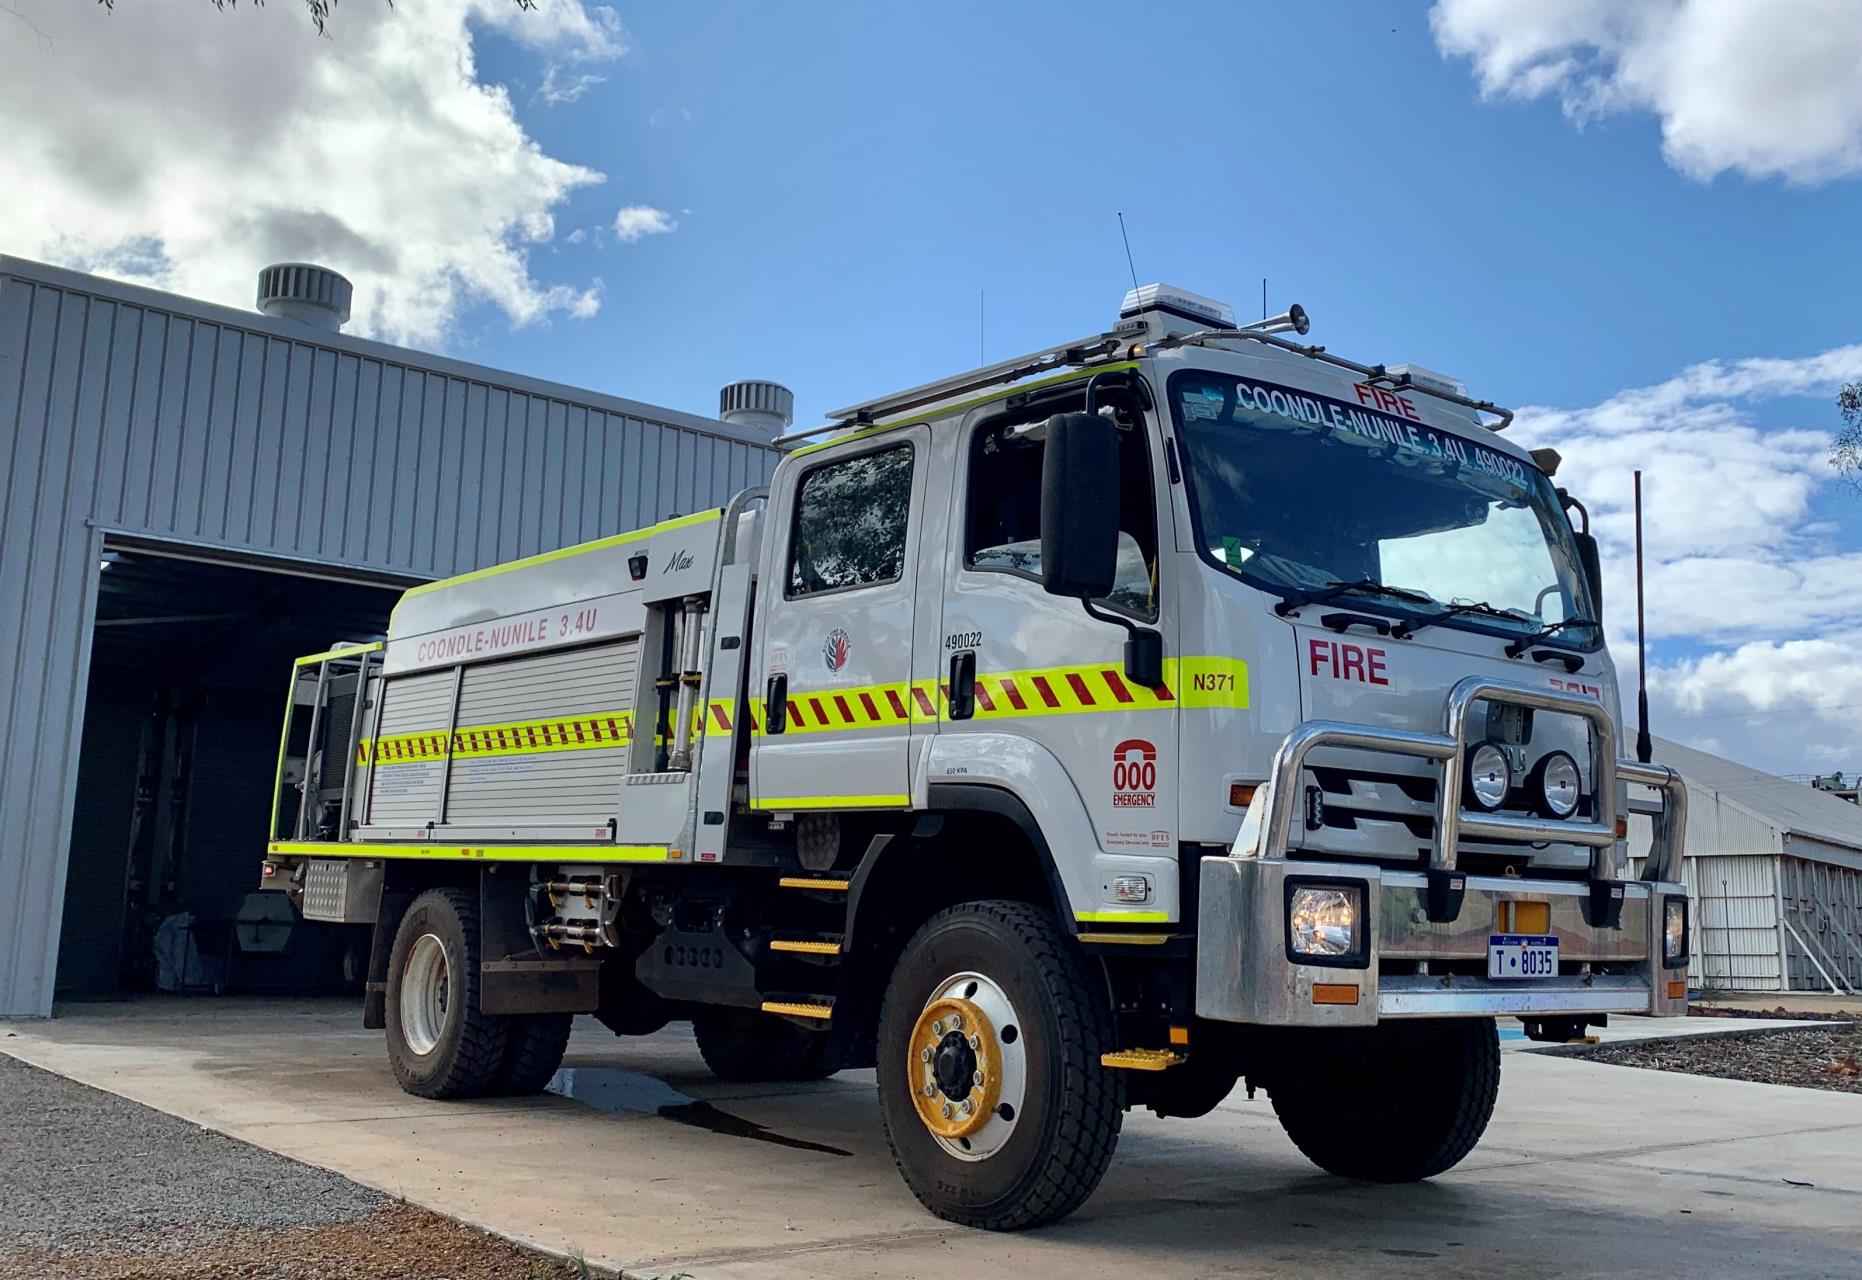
column 439, row 1043
column 746, row 1044
column 533, row 1050
column 994, row 1102
column 1394, row 1103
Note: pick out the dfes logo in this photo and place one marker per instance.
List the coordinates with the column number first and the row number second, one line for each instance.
column 836, row 649
column 1134, row 774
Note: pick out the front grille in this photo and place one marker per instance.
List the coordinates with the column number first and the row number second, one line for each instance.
column 1389, row 818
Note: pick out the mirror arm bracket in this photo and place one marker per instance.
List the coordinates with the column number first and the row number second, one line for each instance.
column 1144, row 648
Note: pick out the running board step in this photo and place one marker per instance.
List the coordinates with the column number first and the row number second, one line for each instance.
column 1140, row 1059
column 814, row 1008
column 824, row 884
column 820, row 945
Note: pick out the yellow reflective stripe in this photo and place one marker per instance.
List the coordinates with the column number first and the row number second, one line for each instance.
column 522, row 737
column 1201, row 683
column 563, row 553
column 1210, row 682
column 348, row 651
column 478, row 852
column 1123, row 917
column 832, row 802
column 963, row 406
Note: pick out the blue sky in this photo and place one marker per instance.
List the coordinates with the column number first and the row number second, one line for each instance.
column 854, row 181
column 1635, row 219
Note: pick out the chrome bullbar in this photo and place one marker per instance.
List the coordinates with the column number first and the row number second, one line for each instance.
column 1422, row 929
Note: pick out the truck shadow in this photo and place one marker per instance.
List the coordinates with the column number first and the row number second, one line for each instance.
column 622, row 1092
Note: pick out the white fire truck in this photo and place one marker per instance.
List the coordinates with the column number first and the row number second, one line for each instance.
column 1096, row 729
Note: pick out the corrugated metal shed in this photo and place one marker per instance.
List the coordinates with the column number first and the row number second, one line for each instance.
column 125, row 411
column 1774, row 875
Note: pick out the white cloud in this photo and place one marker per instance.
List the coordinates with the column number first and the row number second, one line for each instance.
column 640, row 220
column 560, row 86
column 189, row 147
column 1754, row 604
column 1766, row 90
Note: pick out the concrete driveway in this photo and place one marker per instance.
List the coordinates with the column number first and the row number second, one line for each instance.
column 1587, row 1169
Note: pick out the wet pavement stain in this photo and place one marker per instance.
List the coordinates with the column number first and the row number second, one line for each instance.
column 634, row 1092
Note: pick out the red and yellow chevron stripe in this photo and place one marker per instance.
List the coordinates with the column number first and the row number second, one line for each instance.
column 1193, row 683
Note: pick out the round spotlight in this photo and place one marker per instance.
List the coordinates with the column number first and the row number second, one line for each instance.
column 1555, row 784
column 1489, row 775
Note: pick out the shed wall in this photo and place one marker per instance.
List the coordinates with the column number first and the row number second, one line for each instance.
column 128, row 411
column 1823, row 902
column 1733, row 905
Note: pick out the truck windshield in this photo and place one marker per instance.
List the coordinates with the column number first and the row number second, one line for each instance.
column 1296, row 492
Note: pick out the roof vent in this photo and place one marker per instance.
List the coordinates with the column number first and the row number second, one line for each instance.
column 761, row 406
column 306, row 293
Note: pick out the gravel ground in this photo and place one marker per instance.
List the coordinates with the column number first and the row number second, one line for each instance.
column 1779, row 1014
column 96, row 1186
column 1809, row 1057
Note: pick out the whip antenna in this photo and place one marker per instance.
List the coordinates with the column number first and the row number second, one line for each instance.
column 1644, row 748
column 1127, row 240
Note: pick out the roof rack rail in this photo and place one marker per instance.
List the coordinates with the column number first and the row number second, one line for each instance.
column 1068, row 354
column 1374, row 373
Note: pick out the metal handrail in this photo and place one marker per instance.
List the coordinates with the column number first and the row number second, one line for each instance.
column 1450, row 749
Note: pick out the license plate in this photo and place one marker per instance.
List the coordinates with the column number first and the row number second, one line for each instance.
column 1522, row 955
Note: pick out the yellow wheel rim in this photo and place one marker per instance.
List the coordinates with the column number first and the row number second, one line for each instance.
column 955, row 1063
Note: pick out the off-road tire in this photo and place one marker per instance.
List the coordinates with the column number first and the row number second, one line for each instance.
column 1396, row 1103
column 1072, row 1108
column 748, row 1045
column 470, row 1049
column 533, row 1050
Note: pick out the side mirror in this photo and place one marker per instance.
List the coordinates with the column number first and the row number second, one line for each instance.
column 1079, row 505
column 1593, row 569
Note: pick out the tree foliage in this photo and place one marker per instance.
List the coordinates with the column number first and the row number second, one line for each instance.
column 1846, row 450
column 321, row 11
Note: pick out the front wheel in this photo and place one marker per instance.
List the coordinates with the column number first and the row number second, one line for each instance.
column 1394, row 1103
column 995, row 1105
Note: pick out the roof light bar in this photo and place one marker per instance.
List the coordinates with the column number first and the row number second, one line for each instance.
column 1179, row 302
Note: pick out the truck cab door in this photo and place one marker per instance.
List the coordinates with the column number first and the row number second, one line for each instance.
column 832, row 673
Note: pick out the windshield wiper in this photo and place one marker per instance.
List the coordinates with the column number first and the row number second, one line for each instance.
column 1518, row 647
column 1410, row 626
column 1333, row 590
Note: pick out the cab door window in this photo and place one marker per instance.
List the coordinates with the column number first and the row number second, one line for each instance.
column 850, row 522
column 1002, row 525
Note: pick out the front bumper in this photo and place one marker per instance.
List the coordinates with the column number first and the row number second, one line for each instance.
column 1427, row 930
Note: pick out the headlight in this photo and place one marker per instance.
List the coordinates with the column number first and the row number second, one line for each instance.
column 1325, row 922
column 1489, row 775
column 1674, row 932
column 1555, row 785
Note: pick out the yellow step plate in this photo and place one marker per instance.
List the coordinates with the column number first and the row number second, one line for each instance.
column 1141, row 1059
column 822, row 1011
column 812, row 882
column 803, row 947
column 1128, row 939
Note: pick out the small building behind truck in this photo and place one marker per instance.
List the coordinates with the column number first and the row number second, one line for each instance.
column 1172, row 707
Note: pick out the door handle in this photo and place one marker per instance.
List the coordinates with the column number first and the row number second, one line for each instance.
column 776, row 705
column 962, row 696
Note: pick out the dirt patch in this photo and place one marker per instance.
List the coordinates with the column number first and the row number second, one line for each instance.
column 1779, row 1014
column 398, row 1242
column 96, row 1187
column 1809, row 1057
